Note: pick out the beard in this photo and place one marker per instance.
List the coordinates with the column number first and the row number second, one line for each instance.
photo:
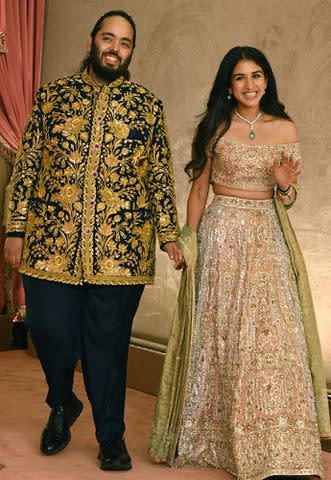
column 107, row 73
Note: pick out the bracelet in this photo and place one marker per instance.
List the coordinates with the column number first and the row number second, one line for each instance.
column 285, row 192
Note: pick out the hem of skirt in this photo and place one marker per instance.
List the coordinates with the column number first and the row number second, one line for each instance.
column 159, row 460
column 261, row 476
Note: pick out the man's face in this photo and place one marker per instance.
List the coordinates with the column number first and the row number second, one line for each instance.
column 111, row 49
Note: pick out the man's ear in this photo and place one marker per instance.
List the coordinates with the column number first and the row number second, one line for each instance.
column 89, row 44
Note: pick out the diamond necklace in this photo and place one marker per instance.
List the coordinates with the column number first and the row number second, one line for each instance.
column 251, row 122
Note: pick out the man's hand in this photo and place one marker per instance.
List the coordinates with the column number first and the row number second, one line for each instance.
column 175, row 255
column 13, row 251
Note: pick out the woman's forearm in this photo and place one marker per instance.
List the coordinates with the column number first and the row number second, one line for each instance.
column 195, row 206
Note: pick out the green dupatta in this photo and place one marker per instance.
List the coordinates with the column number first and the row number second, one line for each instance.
column 171, row 396
column 169, row 406
column 309, row 321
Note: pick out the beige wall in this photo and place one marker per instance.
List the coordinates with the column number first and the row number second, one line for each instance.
column 179, row 46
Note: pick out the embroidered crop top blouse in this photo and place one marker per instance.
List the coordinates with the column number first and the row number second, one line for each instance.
column 248, row 167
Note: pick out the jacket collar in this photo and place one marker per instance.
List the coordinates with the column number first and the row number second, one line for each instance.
column 89, row 80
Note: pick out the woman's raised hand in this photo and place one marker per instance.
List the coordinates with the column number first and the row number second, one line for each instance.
column 287, row 171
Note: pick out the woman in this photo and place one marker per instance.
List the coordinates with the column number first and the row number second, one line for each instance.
column 249, row 395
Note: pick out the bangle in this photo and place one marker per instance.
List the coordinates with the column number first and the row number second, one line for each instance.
column 285, row 192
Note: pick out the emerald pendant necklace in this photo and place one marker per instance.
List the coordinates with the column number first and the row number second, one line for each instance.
column 251, row 122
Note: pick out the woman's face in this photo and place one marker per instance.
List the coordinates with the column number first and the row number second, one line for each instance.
column 248, row 83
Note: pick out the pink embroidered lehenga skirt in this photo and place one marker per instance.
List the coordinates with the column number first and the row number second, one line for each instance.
column 249, row 405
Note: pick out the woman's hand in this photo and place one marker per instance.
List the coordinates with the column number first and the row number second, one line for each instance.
column 175, row 255
column 287, row 172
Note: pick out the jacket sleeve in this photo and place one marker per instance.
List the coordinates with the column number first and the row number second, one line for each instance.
column 26, row 168
column 161, row 181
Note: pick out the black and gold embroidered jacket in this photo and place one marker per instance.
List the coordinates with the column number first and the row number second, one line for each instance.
column 92, row 182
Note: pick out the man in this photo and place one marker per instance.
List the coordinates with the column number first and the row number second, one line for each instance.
column 92, row 181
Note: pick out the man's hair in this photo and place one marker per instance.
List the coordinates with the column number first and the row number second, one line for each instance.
column 115, row 13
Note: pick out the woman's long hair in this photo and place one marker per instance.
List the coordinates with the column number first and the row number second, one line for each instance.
column 220, row 109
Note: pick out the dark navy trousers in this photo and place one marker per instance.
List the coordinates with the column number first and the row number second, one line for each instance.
column 88, row 322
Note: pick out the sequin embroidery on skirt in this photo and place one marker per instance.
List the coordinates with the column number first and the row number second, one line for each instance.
column 249, row 406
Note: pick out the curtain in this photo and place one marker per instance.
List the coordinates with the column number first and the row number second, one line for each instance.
column 21, row 36
column 20, row 67
column 3, row 43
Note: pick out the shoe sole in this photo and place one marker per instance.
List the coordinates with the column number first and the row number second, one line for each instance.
column 116, row 468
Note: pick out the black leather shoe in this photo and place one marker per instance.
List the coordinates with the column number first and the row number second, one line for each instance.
column 56, row 434
column 114, row 456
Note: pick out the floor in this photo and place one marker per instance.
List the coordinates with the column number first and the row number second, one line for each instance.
column 23, row 414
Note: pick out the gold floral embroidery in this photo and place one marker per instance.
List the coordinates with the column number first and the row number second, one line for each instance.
column 111, row 161
column 146, row 233
column 139, row 158
column 46, row 159
column 69, row 227
column 75, row 157
column 40, row 265
column 105, row 229
column 69, row 193
column 84, row 136
column 47, row 107
column 120, row 129
column 75, row 125
column 85, row 191
column 57, row 263
column 110, row 198
column 150, row 118
column 109, row 137
column 109, row 266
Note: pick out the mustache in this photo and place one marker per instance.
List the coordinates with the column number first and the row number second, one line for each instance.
column 111, row 52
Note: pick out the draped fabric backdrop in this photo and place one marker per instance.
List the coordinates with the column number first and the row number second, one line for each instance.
column 21, row 36
column 20, row 67
column 3, row 43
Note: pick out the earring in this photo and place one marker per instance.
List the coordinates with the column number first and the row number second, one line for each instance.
column 228, row 96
